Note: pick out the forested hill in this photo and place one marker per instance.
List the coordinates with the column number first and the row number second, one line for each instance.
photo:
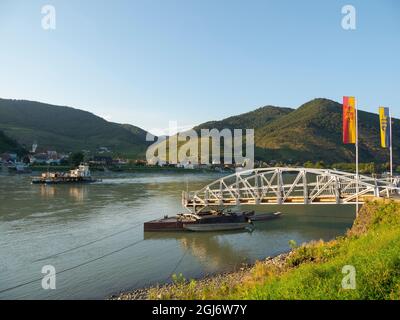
column 67, row 129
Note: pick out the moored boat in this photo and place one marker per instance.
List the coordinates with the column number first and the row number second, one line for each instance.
column 212, row 220
column 208, row 221
column 80, row 175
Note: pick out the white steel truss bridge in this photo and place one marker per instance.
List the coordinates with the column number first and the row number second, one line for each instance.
column 278, row 186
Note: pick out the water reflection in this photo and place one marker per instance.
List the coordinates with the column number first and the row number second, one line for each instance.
column 208, row 248
column 47, row 191
column 78, row 193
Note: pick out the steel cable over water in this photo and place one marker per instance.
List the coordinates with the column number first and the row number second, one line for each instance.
column 81, row 264
column 177, row 265
column 88, row 243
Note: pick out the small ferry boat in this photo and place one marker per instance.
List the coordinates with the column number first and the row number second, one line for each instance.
column 80, row 175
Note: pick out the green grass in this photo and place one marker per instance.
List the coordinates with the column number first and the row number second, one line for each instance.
column 314, row 271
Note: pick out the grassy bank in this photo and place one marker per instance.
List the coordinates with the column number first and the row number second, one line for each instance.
column 314, row 270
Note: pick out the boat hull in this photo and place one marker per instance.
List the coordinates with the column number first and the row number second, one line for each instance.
column 63, row 181
column 264, row 216
column 207, row 227
column 168, row 224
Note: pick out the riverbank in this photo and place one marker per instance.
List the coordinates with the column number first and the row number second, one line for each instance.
column 168, row 291
column 127, row 169
column 311, row 271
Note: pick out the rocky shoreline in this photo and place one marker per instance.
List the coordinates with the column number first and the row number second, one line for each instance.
column 228, row 278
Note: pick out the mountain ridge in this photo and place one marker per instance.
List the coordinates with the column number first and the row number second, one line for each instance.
column 311, row 132
column 66, row 128
column 248, row 120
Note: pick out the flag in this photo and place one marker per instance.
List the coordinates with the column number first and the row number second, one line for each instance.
column 384, row 118
column 349, row 120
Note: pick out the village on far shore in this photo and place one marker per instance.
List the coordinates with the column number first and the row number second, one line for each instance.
column 101, row 159
column 104, row 159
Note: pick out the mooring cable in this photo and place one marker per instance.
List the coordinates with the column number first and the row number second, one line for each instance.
column 177, row 265
column 88, row 243
column 76, row 266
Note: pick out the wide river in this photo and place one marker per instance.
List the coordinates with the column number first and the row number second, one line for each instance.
column 93, row 235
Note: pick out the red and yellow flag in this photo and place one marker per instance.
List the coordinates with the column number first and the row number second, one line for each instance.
column 349, row 120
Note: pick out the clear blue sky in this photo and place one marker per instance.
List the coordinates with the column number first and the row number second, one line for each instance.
column 149, row 62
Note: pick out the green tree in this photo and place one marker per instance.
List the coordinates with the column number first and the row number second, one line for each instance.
column 370, row 168
column 309, row 164
column 76, row 158
column 320, row 165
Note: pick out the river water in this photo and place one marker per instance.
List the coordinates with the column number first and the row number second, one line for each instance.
column 93, row 235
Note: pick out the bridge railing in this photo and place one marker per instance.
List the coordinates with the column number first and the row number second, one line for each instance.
column 289, row 185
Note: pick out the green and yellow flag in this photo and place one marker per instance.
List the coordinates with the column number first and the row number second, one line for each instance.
column 384, row 118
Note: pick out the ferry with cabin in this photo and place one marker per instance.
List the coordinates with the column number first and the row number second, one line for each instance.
column 80, row 175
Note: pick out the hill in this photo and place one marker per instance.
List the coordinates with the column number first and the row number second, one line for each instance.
column 67, row 129
column 250, row 120
column 314, row 132
column 9, row 145
column 138, row 132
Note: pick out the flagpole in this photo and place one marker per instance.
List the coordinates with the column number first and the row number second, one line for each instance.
column 391, row 148
column 357, row 157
